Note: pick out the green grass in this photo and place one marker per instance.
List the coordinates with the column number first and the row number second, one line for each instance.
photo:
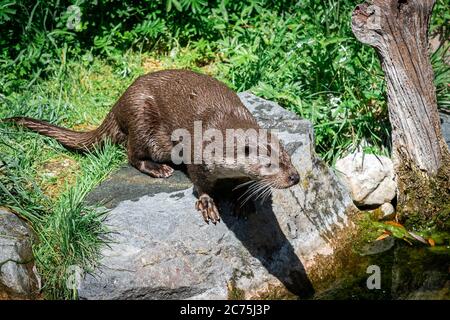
column 73, row 233
column 69, row 231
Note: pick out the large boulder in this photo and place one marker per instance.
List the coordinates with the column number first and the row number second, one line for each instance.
column 162, row 249
column 18, row 277
column 369, row 178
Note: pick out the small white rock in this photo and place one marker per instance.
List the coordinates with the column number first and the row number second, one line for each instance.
column 387, row 209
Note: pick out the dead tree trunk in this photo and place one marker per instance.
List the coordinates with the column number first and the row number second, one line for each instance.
column 398, row 30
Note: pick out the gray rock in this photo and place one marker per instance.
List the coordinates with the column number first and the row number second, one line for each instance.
column 162, row 249
column 18, row 278
column 377, row 247
column 369, row 178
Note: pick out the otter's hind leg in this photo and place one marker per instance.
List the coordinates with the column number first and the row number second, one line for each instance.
column 153, row 169
column 140, row 157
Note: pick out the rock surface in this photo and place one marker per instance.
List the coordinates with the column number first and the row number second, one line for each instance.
column 18, row 279
column 162, row 249
column 369, row 178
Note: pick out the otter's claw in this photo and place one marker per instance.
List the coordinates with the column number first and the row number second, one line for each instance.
column 205, row 204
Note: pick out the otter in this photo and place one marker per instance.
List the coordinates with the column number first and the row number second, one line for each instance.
column 155, row 105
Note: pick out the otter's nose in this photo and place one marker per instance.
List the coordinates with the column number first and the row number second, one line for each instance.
column 294, row 178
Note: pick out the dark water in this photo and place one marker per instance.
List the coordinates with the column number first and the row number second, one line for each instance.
column 405, row 272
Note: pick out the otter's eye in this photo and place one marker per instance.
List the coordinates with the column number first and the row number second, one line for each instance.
column 268, row 165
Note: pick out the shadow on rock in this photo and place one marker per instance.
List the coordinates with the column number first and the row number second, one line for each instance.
column 260, row 233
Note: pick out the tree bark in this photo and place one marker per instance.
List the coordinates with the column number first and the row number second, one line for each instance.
column 398, row 30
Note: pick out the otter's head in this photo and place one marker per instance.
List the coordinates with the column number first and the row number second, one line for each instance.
column 272, row 166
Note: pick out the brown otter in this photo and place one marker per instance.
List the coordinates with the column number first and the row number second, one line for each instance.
column 155, row 105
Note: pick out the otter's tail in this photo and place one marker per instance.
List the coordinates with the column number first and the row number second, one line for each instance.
column 82, row 141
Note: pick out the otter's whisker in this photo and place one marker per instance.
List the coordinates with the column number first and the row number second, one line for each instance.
column 267, row 193
column 250, row 189
column 244, row 184
column 250, row 192
column 262, row 185
column 266, row 188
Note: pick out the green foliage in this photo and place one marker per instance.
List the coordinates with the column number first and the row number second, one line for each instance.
column 312, row 64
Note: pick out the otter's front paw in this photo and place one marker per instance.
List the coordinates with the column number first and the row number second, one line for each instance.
column 205, row 204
